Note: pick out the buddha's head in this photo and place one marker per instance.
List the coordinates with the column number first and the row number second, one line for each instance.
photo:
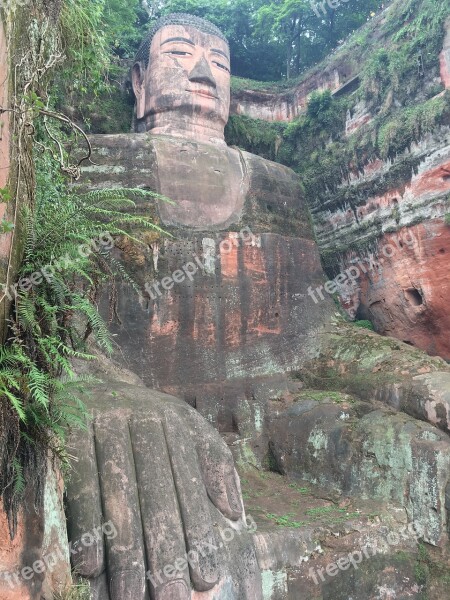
column 181, row 79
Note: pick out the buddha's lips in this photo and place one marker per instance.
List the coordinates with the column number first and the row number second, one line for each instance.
column 203, row 93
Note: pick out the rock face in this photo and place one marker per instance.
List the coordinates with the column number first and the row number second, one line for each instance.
column 367, row 218
column 406, row 282
column 4, row 101
column 367, row 451
column 35, row 564
column 445, row 58
column 270, row 106
column 227, row 307
column 10, row 550
column 17, row 554
column 229, row 312
column 5, row 239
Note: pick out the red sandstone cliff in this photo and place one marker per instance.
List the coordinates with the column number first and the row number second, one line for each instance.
column 405, row 293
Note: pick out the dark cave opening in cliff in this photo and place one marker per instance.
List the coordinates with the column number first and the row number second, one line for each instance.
column 414, row 297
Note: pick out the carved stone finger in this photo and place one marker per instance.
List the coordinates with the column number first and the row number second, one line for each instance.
column 168, row 574
column 84, row 511
column 99, row 588
column 219, row 473
column 194, row 504
column 125, row 550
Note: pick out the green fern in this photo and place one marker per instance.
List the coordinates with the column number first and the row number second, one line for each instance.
column 19, row 479
column 52, row 322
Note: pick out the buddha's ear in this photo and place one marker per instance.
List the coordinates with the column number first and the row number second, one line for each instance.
column 137, row 79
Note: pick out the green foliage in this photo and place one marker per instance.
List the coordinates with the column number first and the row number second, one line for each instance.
column 254, row 135
column 365, row 324
column 268, row 40
column 125, row 23
column 78, row 591
column 410, row 125
column 253, row 53
column 68, row 235
column 285, row 520
column 421, row 573
column 6, row 226
column 306, row 37
column 307, row 140
column 96, row 36
column 5, row 195
column 316, row 147
column 319, row 103
column 85, row 45
column 376, row 74
column 400, row 70
column 300, row 489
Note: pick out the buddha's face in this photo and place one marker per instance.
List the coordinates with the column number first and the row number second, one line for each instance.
column 186, row 87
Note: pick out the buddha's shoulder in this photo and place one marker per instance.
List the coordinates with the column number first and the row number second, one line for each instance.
column 120, row 160
column 260, row 167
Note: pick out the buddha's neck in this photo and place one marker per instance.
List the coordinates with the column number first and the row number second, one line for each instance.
column 199, row 130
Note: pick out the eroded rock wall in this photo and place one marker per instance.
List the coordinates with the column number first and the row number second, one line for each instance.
column 363, row 224
column 5, row 239
column 270, row 106
column 40, row 530
column 399, row 277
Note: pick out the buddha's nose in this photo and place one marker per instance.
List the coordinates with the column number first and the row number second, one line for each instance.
column 201, row 73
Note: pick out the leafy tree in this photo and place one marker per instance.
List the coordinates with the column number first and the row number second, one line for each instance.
column 307, row 30
column 253, row 54
column 125, row 24
column 288, row 21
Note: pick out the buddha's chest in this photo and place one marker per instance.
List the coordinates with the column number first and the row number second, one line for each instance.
column 206, row 184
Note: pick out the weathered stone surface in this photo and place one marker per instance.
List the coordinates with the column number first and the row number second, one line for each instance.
column 40, row 541
column 222, row 336
column 242, row 310
column 55, row 551
column 164, row 481
column 11, row 559
column 360, row 362
column 379, row 578
column 414, row 204
column 445, row 57
column 374, row 577
column 248, row 192
column 403, row 283
column 426, row 396
column 406, row 296
column 244, row 314
column 210, row 197
column 4, row 103
column 286, row 106
column 5, row 239
column 359, row 449
column 313, row 544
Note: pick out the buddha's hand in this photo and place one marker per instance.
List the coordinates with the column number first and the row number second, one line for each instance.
column 163, row 484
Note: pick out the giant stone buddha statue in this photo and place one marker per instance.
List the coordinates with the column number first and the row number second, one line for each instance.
column 221, row 338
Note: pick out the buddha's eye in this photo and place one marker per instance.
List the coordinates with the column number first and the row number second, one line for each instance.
column 178, row 53
column 221, row 66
